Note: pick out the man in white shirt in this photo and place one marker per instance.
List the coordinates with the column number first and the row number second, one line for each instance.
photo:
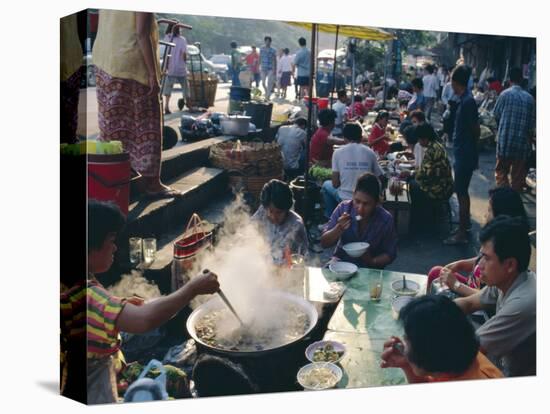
column 348, row 163
column 431, row 86
column 292, row 140
column 340, row 107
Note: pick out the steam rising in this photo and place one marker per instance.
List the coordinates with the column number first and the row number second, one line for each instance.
column 135, row 284
column 243, row 262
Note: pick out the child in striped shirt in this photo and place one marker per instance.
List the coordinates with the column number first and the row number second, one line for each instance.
column 89, row 310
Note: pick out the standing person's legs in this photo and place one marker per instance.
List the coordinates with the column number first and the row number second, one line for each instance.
column 502, row 169
column 270, row 82
column 257, row 78
column 264, row 82
column 330, row 198
column 429, row 108
column 167, row 92
column 518, row 173
column 184, row 88
column 463, row 176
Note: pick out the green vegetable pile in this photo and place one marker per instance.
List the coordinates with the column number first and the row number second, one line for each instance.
column 319, row 173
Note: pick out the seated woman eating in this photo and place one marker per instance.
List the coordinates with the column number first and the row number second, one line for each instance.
column 283, row 228
column 433, row 180
column 363, row 219
column 464, row 276
column 108, row 315
column 440, row 344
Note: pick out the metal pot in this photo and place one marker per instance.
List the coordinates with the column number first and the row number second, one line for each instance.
column 216, row 303
column 237, row 125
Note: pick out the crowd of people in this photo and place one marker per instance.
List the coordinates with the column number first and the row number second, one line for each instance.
column 440, row 342
column 276, row 69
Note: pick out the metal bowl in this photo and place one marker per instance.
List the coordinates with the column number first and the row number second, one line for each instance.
column 216, row 304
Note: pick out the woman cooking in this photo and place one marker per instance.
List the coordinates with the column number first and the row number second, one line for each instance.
column 363, row 219
column 283, row 228
column 88, row 309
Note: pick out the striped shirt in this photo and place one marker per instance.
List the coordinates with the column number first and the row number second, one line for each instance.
column 102, row 312
column 380, row 233
column 515, row 115
column 73, row 313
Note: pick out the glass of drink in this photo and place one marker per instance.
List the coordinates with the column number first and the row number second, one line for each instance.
column 135, row 250
column 149, row 250
column 375, row 285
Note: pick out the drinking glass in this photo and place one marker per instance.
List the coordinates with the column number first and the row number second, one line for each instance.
column 135, row 250
column 375, row 285
column 149, row 250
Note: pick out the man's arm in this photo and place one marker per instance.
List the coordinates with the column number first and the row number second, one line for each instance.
column 470, row 304
column 140, row 319
column 335, row 179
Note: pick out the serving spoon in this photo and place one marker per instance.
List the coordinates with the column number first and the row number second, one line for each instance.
column 226, row 301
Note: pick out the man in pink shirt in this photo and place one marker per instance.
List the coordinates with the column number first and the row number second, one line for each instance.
column 177, row 67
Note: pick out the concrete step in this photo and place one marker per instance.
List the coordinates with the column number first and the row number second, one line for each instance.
column 187, row 156
column 154, row 218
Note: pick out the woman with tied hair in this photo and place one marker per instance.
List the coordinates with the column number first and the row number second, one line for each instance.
column 439, row 344
column 283, row 228
column 379, row 137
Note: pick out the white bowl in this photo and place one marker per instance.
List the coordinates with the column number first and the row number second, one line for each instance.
column 398, row 303
column 309, row 367
column 355, row 249
column 412, row 288
column 337, row 346
column 343, row 270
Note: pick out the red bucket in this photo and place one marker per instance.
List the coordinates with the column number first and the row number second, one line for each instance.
column 109, row 179
column 322, row 103
column 313, row 100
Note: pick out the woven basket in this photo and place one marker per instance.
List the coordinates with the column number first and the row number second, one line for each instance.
column 250, row 159
column 195, row 90
column 250, row 184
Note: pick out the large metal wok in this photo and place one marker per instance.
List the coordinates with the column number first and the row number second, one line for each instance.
column 216, row 304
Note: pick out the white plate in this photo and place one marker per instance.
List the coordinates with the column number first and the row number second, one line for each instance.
column 343, row 270
column 355, row 249
column 306, row 368
column 337, row 346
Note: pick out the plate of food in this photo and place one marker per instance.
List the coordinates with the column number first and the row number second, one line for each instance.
column 325, row 351
column 343, row 270
column 319, row 376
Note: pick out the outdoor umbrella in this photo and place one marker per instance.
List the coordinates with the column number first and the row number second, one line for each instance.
column 358, row 32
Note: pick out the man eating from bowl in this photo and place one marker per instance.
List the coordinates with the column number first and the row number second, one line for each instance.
column 363, row 219
column 509, row 337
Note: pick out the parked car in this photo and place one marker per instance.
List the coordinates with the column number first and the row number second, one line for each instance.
column 194, row 63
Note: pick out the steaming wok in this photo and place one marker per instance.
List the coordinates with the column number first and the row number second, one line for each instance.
column 301, row 307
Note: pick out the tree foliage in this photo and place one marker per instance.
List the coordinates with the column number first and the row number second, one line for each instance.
column 216, row 33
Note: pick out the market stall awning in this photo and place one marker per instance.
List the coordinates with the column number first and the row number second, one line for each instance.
column 358, row 32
